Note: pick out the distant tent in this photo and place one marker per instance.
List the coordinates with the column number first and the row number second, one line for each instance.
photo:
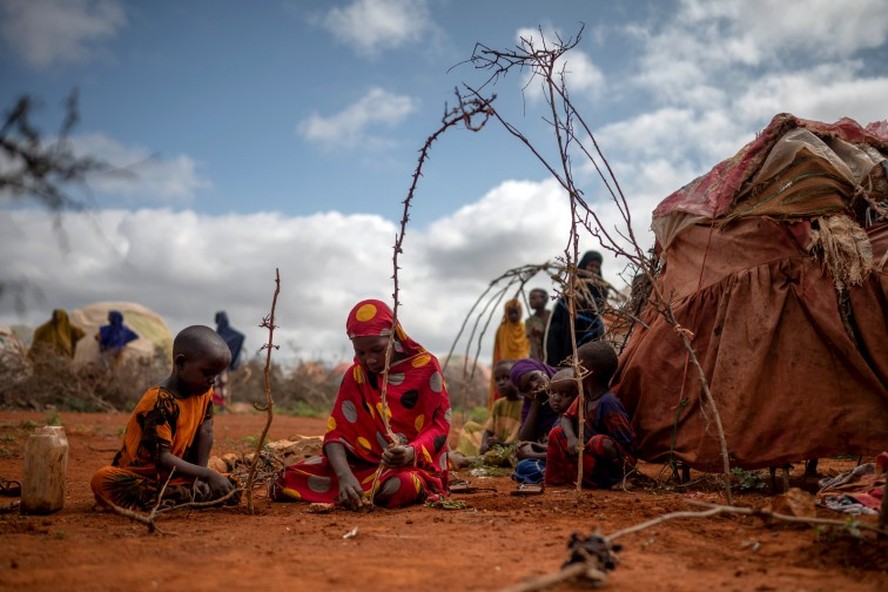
column 11, row 347
column 14, row 361
column 149, row 325
column 777, row 262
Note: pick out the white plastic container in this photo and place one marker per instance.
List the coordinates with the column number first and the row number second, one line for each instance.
column 44, row 471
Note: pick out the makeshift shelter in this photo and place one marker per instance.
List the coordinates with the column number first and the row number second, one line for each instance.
column 775, row 261
column 154, row 335
column 9, row 341
column 12, row 351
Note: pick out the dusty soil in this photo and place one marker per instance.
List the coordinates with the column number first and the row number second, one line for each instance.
column 498, row 541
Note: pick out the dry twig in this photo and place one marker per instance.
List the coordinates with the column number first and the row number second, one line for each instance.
column 543, row 59
column 267, row 323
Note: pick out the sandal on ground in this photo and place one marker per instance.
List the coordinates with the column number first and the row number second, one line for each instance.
column 529, row 489
column 10, row 488
column 463, row 486
column 460, row 486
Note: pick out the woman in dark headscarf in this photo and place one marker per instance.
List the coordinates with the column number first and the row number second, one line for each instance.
column 235, row 341
column 114, row 336
column 589, row 302
column 233, row 338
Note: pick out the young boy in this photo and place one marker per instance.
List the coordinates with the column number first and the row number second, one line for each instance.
column 536, row 323
column 171, row 429
column 607, row 434
column 501, row 428
column 562, row 391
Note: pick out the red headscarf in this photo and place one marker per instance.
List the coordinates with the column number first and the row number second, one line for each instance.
column 374, row 318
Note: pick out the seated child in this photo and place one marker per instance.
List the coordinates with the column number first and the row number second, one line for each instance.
column 532, row 455
column 607, row 434
column 170, row 429
column 501, row 428
column 531, row 378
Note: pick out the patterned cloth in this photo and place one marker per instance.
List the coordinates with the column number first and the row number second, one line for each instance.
column 608, row 422
column 159, row 423
column 418, row 410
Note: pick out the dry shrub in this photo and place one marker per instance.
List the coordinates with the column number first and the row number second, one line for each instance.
column 50, row 381
column 309, row 388
column 467, row 387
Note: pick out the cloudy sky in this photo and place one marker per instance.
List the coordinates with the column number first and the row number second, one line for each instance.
column 283, row 134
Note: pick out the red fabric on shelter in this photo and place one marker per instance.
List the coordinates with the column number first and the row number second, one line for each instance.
column 789, row 381
column 711, row 195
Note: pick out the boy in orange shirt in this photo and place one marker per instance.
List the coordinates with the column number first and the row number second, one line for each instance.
column 171, row 429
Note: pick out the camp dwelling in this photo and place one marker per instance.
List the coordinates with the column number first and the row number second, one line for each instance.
column 775, row 262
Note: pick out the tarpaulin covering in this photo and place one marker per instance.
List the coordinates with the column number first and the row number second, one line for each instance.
column 794, row 346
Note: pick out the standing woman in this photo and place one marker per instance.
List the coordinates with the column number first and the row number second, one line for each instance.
column 112, row 338
column 357, row 455
column 511, row 343
column 234, row 339
column 589, row 302
column 56, row 337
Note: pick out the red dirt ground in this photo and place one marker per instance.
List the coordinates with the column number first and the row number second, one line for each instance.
column 498, row 542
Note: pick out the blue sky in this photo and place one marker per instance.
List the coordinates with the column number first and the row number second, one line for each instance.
column 283, row 134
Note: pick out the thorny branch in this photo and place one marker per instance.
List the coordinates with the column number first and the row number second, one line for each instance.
column 546, row 63
column 592, row 572
column 267, row 323
column 714, row 509
column 149, row 519
column 473, row 113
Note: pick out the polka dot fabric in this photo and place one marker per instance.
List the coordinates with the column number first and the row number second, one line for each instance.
column 374, row 318
column 418, row 411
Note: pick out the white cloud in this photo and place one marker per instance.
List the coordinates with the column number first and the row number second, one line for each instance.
column 717, row 72
column 712, row 50
column 581, row 75
column 141, row 174
column 44, row 32
column 824, row 28
column 825, row 93
column 352, row 126
column 186, row 266
column 373, row 26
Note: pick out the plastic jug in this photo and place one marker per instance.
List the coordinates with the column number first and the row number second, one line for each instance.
column 43, row 474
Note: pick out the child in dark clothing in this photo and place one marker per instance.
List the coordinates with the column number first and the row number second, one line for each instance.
column 607, row 435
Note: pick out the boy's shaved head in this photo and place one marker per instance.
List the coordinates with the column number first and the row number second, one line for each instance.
column 199, row 341
column 600, row 358
column 563, row 374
